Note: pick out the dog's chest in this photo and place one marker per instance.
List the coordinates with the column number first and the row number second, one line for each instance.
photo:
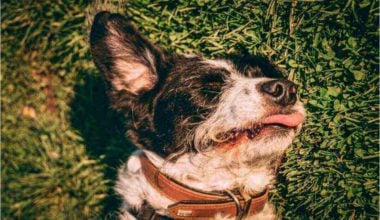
column 206, row 176
column 212, row 174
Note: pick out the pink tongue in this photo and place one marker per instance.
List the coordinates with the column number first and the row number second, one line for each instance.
column 291, row 120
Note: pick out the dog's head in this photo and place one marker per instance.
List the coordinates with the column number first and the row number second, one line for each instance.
column 176, row 104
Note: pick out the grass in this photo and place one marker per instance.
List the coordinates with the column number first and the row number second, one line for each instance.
column 61, row 144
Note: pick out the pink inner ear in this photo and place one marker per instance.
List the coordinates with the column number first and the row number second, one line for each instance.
column 133, row 77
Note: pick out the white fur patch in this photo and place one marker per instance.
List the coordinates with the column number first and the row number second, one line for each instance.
column 234, row 109
column 212, row 171
column 134, row 188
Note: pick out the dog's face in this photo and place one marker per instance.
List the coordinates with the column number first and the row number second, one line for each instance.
column 176, row 104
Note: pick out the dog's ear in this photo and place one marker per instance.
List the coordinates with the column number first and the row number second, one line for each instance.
column 127, row 59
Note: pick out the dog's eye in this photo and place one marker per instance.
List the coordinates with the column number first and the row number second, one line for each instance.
column 211, row 85
column 212, row 79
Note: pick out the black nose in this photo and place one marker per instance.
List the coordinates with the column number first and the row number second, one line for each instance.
column 282, row 92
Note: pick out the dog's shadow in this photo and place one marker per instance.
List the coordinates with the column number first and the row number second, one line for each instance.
column 102, row 130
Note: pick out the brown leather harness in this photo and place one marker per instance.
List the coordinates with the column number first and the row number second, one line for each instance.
column 195, row 204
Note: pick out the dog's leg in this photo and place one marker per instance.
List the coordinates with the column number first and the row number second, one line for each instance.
column 129, row 187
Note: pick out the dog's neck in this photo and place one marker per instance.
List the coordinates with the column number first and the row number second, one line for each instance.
column 216, row 173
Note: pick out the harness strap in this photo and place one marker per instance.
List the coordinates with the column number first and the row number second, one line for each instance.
column 191, row 203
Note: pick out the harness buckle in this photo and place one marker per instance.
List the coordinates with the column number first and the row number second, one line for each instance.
column 239, row 209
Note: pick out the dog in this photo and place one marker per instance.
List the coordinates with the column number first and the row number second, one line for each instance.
column 211, row 133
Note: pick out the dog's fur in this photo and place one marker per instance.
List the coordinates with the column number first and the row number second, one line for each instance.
column 176, row 106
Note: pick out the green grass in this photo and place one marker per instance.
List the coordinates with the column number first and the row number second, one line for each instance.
column 61, row 144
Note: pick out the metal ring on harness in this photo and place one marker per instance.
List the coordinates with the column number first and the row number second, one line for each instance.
column 240, row 211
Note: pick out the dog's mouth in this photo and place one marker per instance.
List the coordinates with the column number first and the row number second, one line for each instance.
column 262, row 128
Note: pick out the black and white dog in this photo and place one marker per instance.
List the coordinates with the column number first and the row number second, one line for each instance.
column 213, row 127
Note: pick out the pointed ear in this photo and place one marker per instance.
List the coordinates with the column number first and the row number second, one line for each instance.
column 127, row 59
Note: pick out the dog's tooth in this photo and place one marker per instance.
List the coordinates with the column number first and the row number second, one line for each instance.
column 234, row 134
column 229, row 135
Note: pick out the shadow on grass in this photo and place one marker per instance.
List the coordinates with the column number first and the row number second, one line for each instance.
column 103, row 132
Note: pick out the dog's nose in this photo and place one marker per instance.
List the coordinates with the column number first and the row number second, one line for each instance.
column 282, row 92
